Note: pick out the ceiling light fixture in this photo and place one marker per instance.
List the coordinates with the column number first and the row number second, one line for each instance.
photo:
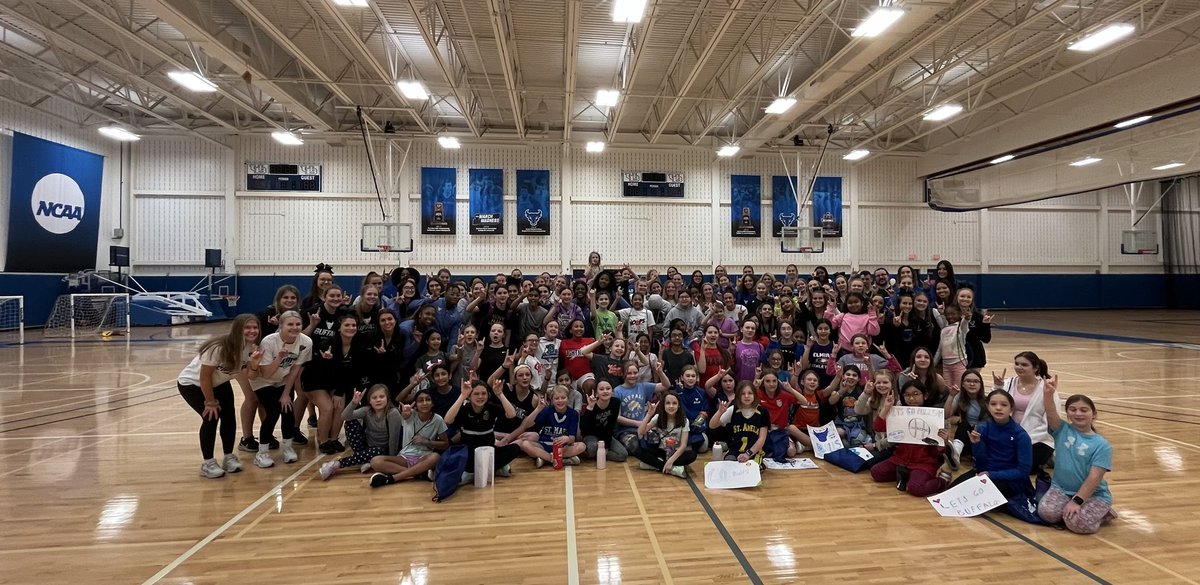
column 1102, row 38
column 595, row 146
column 449, row 142
column 943, row 112
column 351, row 3
column 286, row 138
column 728, row 150
column 877, row 22
column 628, row 10
column 607, row 98
column 413, row 90
column 1167, row 167
column 1083, row 162
column 119, row 133
column 192, row 81
column 856, row 154
column 1132, row 122
column 781, row 105
column 1002, row 159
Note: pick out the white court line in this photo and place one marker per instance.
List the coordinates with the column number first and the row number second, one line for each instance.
column 572, row 548
column 226, row 526
column 1164, row 406
column 39, row 437
column 1150, row 436
column 1139, row 397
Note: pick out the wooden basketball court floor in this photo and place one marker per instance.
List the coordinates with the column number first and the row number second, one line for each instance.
column 98, row 483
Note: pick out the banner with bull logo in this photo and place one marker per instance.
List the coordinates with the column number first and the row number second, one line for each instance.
column 533, row 203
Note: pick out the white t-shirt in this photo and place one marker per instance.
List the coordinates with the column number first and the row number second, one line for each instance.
column 547, row 354
column 636, row 322
column 190, row 376
column 298, row 353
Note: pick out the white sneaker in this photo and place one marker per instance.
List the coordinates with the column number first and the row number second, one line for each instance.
column 505, row 471
column 571, row 460
column 263, row 457
column 289, row 454
column 679, row 471
column 231, row 464
column 956, row 448
column 800, row 448
column 467, row 477
column 431, row 474
column 209, row 469
column 366, row 468
column 329, row 469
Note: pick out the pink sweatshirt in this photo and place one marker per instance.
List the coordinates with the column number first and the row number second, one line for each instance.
column 850, row 324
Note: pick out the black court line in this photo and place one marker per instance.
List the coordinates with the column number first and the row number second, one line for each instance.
column 1047, row 551
column 50, row 422
column 733, row 547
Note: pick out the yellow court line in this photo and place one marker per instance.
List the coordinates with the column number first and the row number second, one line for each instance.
column 1144, row 559
column 658, row 554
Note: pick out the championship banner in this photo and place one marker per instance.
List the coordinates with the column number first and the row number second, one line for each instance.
column 54, row 216
column 745, row 205
column 533, row 203
column 438, row 206
column 783, row 203
column 827, row 206
column 486, row 201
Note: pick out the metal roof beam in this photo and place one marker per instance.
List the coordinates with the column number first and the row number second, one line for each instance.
column 633, row 63
column 505, row 40
column 453, row 70
column 570, row 56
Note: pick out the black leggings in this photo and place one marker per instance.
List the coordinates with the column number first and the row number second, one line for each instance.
column 657, row 458
column 208, row 428
column 269, row 399
column 1042, row 454
column 504, row 455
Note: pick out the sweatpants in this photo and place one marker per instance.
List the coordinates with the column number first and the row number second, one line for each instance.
column 1091, row 515
column 269, row 398
column 504, row 455
column 657, row 458
column 227, row 417
column 362, row 452
column 921, row 483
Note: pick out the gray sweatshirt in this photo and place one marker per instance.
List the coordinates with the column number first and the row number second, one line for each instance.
column 384, row 433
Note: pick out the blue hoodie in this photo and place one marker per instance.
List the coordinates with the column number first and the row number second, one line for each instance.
column 1004, row 451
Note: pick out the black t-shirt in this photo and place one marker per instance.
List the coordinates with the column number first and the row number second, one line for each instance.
column 490, row 360
column 443, row 402
column 327, row 325
column 673, row 363
column 607, row 368
column 478, row 428
column 384, row 368
column 600, row 422
column 522, row 406
column 369, row 323
column 744, row 429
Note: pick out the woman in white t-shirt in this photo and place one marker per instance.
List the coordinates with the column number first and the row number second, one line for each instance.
column 205, row 384
column 274, row 371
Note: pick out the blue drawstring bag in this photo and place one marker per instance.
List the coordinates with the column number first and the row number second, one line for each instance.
column 449, row 472
column 777, row 444
column 846, row 459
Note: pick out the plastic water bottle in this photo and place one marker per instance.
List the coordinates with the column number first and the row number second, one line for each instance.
column 718, row 451
column 601, row 456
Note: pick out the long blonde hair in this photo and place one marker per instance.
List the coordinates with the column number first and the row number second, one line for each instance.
column 232, row 344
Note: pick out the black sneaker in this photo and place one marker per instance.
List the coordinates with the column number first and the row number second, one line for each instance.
column 381, row 479
column 327, row 448
column 298, row 438
column 248, row 444
column 338, row 446
column 273, row 443
column 902, row 474
column 312, row 421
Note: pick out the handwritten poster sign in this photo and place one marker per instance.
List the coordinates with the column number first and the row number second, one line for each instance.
column 729, row 475
column 825, row 440
column 802, row 463
column 915, row 425
column 967, row 499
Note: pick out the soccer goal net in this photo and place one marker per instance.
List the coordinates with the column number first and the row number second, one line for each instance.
column 12, row 319
column 76, row 315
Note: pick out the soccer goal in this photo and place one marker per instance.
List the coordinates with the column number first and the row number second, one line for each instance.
column 77, row 315
column 12, row 319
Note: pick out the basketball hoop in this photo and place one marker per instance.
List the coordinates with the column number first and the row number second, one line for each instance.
column 384, row 248
column 231, row 300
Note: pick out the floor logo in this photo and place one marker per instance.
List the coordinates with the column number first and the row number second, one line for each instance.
column 57, row 203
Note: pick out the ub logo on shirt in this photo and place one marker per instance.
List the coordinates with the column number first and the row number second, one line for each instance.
column 57, row 203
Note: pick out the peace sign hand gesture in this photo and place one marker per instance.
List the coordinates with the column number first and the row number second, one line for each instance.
column 498, row 386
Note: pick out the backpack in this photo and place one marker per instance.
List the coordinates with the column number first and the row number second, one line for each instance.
column 449, row 472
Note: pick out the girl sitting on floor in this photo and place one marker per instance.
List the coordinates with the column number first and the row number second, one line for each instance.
column 664, row 438
column 371, row 430
column 426, row 433
column 1078, row 495
column 915, row 466
column 559, row 426
column 747, row 423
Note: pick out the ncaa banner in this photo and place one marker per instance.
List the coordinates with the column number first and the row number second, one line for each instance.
column 745, row 203
column 486, row 201
column 533, row 203
column 54, row 216
column 783, row 203
column 438, row 192
column 827, row 206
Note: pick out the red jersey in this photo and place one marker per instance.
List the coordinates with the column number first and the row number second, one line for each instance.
column 570, row 351
column 808, row 412
column 777, row 406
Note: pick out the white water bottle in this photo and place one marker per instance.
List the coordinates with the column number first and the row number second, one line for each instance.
column 718, row 451
column 601, row 456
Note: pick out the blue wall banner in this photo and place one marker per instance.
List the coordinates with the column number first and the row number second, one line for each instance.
column 745, row 205
column 533, row 203
column 783, row 203
column 438, row 205
column 827, row 206
column 54, row 216
column 486, row 201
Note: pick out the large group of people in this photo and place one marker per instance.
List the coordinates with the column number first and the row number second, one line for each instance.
column 658, row 367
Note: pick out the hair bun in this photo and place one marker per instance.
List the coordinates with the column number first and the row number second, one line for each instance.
column 323, row 267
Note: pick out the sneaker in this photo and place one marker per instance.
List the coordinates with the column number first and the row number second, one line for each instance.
column 431, row 475
column 800, row 448
column 329, row 469
column 679, row 471
column 902, row 475
column 209, row 469
column 571, row 460
column 944, row 476
column 336, row 444
column 467, row 477
column 263, row 460
column 381, row 479
column 326, row 448
column 954, row 453
column 299, row 439
column 289, row 455
column 539, row 462
column 248, row 444
column 505, row 471
column 312, row 421
column 366, row 467
column 273, row 443
column 231, row 463
column 645, row 466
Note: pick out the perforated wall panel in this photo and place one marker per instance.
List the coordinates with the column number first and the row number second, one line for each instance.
column 892, row 234
column 1043, row 237
column 199, row 224
column 163, row 165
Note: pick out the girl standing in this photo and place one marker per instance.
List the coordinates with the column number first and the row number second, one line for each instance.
column 858, row 319
column 274, row 376
column 978, row 328
column 664, row 438
column 1079, row 495
column 426, row 434
column 205, row 385
column 372, row 430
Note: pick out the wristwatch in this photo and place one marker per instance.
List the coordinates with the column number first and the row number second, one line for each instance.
column 1077, row 500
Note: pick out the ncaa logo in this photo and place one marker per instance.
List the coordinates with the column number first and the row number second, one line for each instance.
column 57, row 203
